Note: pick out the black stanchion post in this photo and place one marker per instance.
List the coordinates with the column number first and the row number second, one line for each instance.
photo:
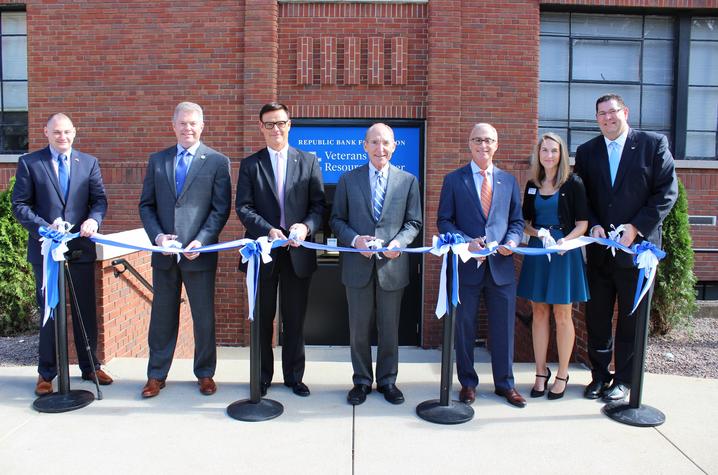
column 64, row 399
column 633, row 412
column 444, row 410
column 255, row 409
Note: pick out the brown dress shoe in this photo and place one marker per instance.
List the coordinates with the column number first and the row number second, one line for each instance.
column 152, row 388
column 43, row 386
column 512, row 397
column 103, row 378
column 207, row 386
column 467, row 395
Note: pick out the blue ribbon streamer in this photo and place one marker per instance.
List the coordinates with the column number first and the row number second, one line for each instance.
column 54, row 245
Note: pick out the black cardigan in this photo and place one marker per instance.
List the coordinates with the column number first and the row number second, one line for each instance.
column 572, row 203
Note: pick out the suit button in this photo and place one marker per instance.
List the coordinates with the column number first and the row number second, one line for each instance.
column 610, row 205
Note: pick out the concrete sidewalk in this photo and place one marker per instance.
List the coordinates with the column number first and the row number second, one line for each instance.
column 181, row 431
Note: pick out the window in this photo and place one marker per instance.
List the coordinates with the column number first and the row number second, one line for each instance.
column 585, row 55
column 13, row 84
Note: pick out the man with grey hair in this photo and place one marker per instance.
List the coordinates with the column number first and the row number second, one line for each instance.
column 185, row 201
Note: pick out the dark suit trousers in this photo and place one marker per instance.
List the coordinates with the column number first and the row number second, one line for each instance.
column 164, row 320
column 83, row 277
column 293, row 294
column 367, row 305
column 501, row 306
column 606, row 284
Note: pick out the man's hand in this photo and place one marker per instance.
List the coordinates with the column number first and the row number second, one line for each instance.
column 598, row 232
column 393, row 254
column 275, row 233
column 88, row 228
column 476, row 245
column 162, row 238
column 629, row 234
column 300, row 230
column 192, row 245
column 360, row 243
column 507, row 252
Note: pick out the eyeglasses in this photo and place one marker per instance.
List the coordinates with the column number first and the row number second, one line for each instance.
column 479, row 140
column 270, row 125
column 603, row 114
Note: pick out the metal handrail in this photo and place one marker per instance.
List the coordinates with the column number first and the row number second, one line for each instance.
column 133, row 271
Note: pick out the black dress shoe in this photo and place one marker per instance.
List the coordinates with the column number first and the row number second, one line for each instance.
column 358, row 393
column 552, row 395
column 547, row 376
column 391, row 393
column 616, row 392
column 300, row 389
column 263, row 388
column 595, row 389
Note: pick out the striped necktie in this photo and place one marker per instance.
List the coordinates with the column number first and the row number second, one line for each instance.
column 379, row 193
column 486, row 192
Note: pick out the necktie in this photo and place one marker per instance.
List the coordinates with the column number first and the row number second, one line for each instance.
column 62, row 175
column 181, row 171
column 613, row 160
column 485, row 193
column 379, row 192
column 281, row 167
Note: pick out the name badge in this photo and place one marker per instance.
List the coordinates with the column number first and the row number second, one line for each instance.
column 532, row 191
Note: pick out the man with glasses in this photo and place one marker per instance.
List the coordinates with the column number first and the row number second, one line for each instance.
column 631, row 185
column 280, row 194
column 482, row 203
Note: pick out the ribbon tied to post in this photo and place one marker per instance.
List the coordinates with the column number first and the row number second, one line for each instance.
column 646, row 259
column 53, row 248
column 441, row 245
column 251, row 253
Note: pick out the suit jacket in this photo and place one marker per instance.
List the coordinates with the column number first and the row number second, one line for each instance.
column 460, row 212
column 199, row 212
column 257, row 201
column 352, row 215
column 644, row 192
column 37, row 199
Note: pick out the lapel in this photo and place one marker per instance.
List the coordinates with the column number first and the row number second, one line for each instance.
column 76, row 164
column 198, row 161
column 169, row 161
column 499, row 191
column 365, row 188
column 265, row 165
column 467, row 177
column 292, row 170
column 628, row 158
column 604, row 169
column 390, row 178
column 50, row 170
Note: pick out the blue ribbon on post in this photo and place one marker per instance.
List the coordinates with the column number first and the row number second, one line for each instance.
column 646, row 258
column 440, row 247
column 251, row 253
column 54, row 247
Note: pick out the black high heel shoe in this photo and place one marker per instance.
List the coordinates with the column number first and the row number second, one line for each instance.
column 535, row 393
column 552, row 395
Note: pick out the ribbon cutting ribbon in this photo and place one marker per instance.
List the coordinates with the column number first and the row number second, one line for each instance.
column 441, row 245
column 646, row 259
column 251, row 253
column 53, row 248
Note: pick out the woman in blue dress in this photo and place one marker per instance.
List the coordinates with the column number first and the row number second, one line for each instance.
column 555, row 209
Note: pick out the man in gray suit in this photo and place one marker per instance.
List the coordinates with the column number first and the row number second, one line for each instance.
column 186, row 198
column 376, row 201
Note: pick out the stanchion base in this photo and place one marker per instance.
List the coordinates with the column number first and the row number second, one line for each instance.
column 248, row 411
column 642, row 416
column 58, row 402
column 456, row 412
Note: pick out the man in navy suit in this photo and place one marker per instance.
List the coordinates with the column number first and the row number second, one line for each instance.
column 186, row 197
column 62, row 182
column 482, row 203
column 280, row 193
column 630, row 181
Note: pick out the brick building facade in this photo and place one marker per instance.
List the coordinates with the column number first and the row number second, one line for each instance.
column 118, row 69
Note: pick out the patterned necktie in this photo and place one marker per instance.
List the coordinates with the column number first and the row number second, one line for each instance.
column 62, row 176
column 281, row 168
column 486, row 193
column 379, row 192
column 181, row 171
column 613, row 160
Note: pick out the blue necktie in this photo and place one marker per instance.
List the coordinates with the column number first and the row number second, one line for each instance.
column 613, row 160
column 181, row 171
column 62, row 175
column 379, row 192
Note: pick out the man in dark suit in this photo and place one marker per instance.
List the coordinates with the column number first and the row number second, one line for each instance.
column 482, row 203
column 280, row 193
column 186, row 198
column 630, row 180
column 376, row 201
column 61, row 182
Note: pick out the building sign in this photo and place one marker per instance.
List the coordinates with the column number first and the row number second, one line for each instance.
column 340, row 149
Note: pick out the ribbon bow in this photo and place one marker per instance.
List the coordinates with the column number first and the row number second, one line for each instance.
column 646, row 259
column 441, row 245
column 251, row 253
column 615, row 235
column 54, row 246
column 546, row 239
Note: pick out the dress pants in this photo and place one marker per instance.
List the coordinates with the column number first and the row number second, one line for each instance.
column 83, row 278
column 501, row 306
column 367, row 305
column 164, row 320
column 293, row 295
column 607, row 283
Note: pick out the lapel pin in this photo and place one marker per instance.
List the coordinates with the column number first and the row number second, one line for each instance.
column 203, row 156
column 77, row 159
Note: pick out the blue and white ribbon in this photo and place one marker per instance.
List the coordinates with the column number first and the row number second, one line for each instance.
column 441, row 245
column 646, row 259
column 252, row 252
column 53, row 249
